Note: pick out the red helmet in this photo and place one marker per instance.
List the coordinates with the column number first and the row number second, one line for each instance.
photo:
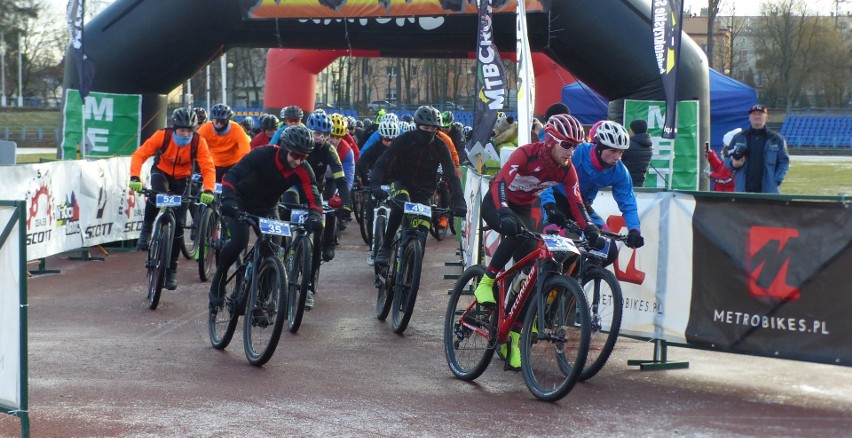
column 564, row 127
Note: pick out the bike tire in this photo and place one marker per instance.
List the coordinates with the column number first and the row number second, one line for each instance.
column 468, row 351
column 405, row 293
column 222, row 321
column 188, row 245
column 298, row 278
column 206, row 229
column 553, row 360
column 598, row 285
column 265, row 312
column 437, row 231
column 163, row 254
column 366, row 229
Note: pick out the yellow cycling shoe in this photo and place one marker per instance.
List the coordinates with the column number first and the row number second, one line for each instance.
column 484, row 292
column 513, row 351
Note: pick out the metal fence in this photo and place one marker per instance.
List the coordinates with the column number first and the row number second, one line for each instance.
column 31, row 135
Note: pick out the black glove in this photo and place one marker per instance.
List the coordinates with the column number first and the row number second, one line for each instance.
column 229, row 207
column 379, row 193
column 635, row 239
column 508, row 222
column 313, row 223
column 593, row 235
column 460, row 210
column 554, row 216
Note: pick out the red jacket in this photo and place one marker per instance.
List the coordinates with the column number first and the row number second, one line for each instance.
column 721, row 177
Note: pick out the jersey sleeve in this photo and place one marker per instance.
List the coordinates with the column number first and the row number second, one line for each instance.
column 506, row 175
column 147, row 150
column 205, row 162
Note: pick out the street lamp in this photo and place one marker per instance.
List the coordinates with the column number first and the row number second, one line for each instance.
column 231, row 82
column 3, row 68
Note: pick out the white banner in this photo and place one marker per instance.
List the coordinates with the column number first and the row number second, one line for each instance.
column 10, row 313
column 75, row 204
column 526, row 78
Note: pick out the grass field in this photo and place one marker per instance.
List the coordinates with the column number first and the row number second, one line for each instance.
column 38, row 119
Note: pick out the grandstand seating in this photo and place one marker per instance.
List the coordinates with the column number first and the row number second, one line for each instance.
column 818, row 131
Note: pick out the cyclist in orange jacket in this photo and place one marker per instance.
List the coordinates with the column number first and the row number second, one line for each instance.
column 226, row 139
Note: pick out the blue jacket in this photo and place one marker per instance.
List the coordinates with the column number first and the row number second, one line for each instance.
column 776, row 162
column 373, row 139
column 592, row 180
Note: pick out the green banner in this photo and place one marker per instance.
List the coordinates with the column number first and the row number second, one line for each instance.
column 112, row 122
column 675, row 162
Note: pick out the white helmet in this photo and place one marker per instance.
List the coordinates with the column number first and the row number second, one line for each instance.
column 406, row 126
column 726, row 139
column 388, row 128
column 389, row 117
column 612, row 135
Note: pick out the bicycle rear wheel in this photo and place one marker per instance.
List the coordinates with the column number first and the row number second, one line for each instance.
column 469, row 329
column 266, row 310
column 405, row 294
column 553, row 353
column 189, row 243
column 384, row 274
column 206, row 231
column 158, row 262
column 603, row 293
column 439, row 231
column 222, row 321
column 298, row 277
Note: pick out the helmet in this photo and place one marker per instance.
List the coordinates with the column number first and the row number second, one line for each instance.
column 458, row 125
column 406, row 118
column 292, row 112
column 248, row 123
column 368, row 123
column 406, row 126
column 447, row 118
column 389, row 117
column 184, row 118
column 388, row 128
column 201, row 113
column 220, row 111
column 359, row 124
column 338, row 125
column 379, row 115
column 467, row 131
column 563, row 127
column 297, row 138
column 319, row 121
column 350, row 122
column 612, row 135
column 268, row 121
column 426, row 115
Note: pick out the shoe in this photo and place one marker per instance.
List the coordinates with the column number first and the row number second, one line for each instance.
column 144, row 236
column 371, row 259
column 383, row 256
column 512, row 350
column 217, row 298
column 309, row 300
column 328, row 254
column 171, row 279
column 443, row 222
column 484, row 292
column 261, row 316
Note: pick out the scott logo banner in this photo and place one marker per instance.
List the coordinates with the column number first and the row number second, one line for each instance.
column 770, row 278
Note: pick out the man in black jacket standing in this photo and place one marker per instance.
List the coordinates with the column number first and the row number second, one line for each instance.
column 638, row 156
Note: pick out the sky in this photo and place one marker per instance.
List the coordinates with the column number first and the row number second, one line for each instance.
column 752, row 7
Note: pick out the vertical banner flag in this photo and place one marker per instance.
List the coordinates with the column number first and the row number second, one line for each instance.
column 111, row 121
column 667, row 26
column 526, row 79
column 85, row 66
column 490, row 89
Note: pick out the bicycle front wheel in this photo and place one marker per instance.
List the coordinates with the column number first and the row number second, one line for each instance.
column 469, row 329
column 384, row 274
column 222, row 321
column 204, row 237
column 298, row 278
column 603, row 293
column 555, row 339
column 189, row 243
column 265, row 312
column 407, row 285
column 158, row 261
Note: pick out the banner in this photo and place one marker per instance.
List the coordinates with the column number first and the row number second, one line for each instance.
column 526, row 79
column 10, row 308
column 74, row 16
column 667, row 18
column 674, row 164
column 490, row 91
column 112, row 122
column 373, row 8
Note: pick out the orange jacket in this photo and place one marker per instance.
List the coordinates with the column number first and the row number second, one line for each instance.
column 176, row 160
column 451, row 146
column 226, row 149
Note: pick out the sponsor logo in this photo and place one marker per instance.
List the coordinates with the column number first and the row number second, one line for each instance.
column 767, row 261
column 630, row 273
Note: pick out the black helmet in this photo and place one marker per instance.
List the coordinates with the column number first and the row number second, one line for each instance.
column 268, row 121
column 297, row 138
column 201, row 113
column 292, row 112
column 221, row 111
column 248, row 123
column 426, row 115
column 184, row 118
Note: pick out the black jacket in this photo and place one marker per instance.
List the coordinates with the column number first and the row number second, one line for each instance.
column 637, row 158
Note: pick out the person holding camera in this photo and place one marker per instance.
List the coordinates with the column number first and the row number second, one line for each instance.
column 759, row 155
column 721, row 178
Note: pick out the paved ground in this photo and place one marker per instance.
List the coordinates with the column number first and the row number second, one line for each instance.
column 102, row 364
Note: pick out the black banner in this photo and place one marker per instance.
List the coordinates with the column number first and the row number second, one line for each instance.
column 771, row 278
column 74, row 16
column 667, row 17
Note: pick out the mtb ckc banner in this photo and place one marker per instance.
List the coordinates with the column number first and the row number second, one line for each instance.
column 112, row 123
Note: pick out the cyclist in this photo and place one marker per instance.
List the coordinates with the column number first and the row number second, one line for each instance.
column 170, row 173
column 248, row 126
column 255, row 185
column 507, row 206
column 226, row 139
column 599, row 165
column 454, row 131
column 410, row 165
column 201, row 114
column 290, row 116
column 388, row 131
column 375, row 137
column 347, row 158
column 268, row 126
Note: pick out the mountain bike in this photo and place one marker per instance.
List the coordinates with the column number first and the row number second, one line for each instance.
column 359, row 207
column 189, row 243
column 441, row 223
column 297, row 261
column 556, row 330
column 378, row 225
column 258, row 291
column 399, row 282
column 160, row 247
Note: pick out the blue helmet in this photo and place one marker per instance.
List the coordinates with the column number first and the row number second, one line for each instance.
column 319, row 121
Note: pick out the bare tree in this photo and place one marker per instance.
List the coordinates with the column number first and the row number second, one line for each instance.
column 713, row 8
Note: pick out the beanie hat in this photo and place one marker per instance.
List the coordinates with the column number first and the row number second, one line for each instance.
column 639, row 126
column 556, row 108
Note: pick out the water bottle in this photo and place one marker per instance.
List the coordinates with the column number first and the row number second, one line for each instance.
column 515, row 289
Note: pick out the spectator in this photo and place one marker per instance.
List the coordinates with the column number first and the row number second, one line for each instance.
column 553, row 109
column 638, row 156
column 721, row 178
column 759, row 155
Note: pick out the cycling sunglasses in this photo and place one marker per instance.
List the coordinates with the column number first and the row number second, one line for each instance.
column 298, row 156
column 387, row 138
column 567, row 145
